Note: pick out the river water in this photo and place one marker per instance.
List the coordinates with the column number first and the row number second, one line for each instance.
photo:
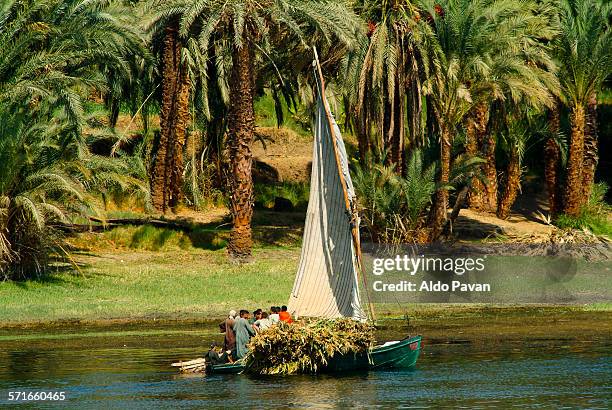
column 121, row 369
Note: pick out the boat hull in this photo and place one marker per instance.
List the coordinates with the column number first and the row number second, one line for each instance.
column 401, row 355
column 395, row 355
column 229, row 368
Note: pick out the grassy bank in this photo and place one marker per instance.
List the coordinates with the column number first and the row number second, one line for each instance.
column 135, row 274
column 142, row 284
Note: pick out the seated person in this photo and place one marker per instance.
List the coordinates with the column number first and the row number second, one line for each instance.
column 285, row 316
column 263, row 323
column 214, row 357
column 256, row 316
column 274, row 319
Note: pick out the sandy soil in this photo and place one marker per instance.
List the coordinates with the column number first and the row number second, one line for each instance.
column 481, row 224
column 217, row 214
column 289, row 153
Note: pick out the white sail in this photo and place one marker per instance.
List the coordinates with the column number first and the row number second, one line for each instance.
column 326, row 284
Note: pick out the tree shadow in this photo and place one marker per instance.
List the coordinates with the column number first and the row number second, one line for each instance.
column 208, row 237
column 269, row 228
column 52, row 275
column 468, row 228
column 532, row 202
column 265, row 173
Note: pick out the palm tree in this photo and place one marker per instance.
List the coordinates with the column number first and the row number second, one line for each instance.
column 591, row 154
column 584, row 51
column 167, row 163
column 520, row 69
column 383, row 84
column 246, row 30
column 451, row 102
column 394, row 206
column 51, row 55
column 450, row 98
column 477, row 129
column 188, row 99
column 552, row 158
column 521, row 129
column 166, row 181
column 480, row 52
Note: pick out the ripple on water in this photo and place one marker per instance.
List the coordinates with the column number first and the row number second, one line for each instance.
column 114, row 374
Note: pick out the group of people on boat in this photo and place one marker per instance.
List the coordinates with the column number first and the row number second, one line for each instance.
column 240, row 327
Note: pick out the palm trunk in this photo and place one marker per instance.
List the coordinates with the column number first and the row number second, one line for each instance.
column 362, row 136
column 431, row 127
column 489, row 169
column 179, row 138
column 437, row 215
column 474, row 197
column 477, row 131
column 461, row 197
column 513, row 181
column 160, row 175
column 552, row 158
column 214, row 137
column 591, row 156
column 114, row 111
column 241, row 131
column 167, row 172
column 459, row 201
column 397, row 132
column 415, row 101
column 387, row 126
column 394, row 114
column 573, row 187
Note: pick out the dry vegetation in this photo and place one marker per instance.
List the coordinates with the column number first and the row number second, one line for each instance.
column 306, row 346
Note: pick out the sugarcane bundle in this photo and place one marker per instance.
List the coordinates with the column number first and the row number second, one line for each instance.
column 305, row 346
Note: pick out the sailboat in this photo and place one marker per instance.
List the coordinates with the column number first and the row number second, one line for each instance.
column 327, row 280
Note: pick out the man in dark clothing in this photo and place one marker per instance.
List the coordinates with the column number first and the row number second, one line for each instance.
column 214, row 357
column 228, row 327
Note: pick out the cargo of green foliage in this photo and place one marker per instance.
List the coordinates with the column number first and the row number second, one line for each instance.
column 306, row 346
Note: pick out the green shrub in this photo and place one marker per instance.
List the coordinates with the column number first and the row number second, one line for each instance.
column 199, row 184
column 296, row 192
column 148, row 237
column 266, row 116
column 594, row 216
column 393, row 207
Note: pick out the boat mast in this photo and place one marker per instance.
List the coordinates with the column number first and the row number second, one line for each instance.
column 349, row 207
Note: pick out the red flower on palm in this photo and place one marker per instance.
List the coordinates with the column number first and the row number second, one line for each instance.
column 371, row 28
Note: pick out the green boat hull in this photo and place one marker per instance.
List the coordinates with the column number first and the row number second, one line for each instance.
column 232, row 368
column 397, row 355
column 401, row 355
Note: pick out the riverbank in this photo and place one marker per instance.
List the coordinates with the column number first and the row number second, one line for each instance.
column 166, row 278
column 438, row 324
column 148, row 285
